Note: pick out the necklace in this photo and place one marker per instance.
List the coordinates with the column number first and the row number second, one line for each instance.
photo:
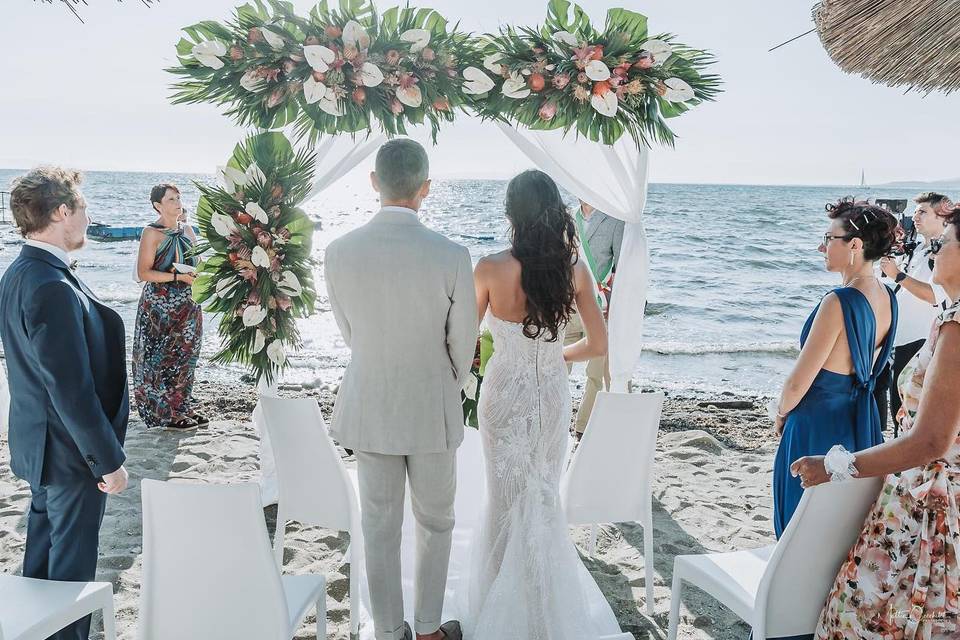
column 852, row 280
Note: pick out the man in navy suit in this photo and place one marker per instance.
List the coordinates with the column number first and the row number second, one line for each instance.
column 66, row 362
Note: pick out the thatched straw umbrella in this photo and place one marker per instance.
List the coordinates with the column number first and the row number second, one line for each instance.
column 901, row 43
column 73, row 4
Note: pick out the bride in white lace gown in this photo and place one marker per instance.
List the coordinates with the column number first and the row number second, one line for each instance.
column 526, row 579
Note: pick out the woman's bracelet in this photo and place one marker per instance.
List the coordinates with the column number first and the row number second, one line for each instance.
column 773, row 410
column 838, row 463
column 174, row 276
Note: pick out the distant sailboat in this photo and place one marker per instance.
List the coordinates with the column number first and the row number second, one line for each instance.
column 863, row 182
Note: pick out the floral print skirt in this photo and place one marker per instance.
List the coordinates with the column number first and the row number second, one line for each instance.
column 166, row 347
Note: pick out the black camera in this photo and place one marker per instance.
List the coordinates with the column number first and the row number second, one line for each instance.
column 909, row 243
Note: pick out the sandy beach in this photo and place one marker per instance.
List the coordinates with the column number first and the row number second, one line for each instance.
column 712, row 493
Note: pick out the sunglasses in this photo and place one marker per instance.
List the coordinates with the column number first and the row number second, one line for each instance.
column 828, row 237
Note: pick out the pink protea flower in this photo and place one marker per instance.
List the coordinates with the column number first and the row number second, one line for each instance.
column 428, row 54
column 284, row 233
column 350, row 52
column 254, row 35
column 359, row 96
column 582, row 78
column 235, row 241
column 268, row 73
column 253, row 298
column 441, row 104
column 284, row 303
column 646, row 61
column 333, row 31
column 248, row 273
column 264, row 239
column 288, row 67
column 407, row 80
column 276, row 97
column 275, row 264
column 311, row 40
column 236, row 53
column 561, row 80
column 274, row 211
column 396, row 107
column 548, row 111
column 392, row 57
column 245, row 253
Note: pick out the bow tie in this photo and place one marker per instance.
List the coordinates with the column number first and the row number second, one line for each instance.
column 73, row 265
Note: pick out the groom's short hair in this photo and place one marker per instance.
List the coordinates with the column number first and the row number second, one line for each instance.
column 402, row 167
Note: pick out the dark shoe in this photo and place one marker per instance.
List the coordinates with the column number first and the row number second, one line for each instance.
column 182, row 425
column 451, row 630
column 407, row 631
column 199, row 419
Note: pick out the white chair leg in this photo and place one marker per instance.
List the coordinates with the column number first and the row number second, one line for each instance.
column 648, row 559
column 109, row 620
column 322, row 616
column 354, row 595
column 278, row 539
column 675, row 603
column 592, row 546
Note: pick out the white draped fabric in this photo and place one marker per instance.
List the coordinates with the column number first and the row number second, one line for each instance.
column 613, row 178
column 336, row 156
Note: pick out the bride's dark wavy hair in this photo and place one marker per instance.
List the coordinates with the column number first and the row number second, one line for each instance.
column 543, row 236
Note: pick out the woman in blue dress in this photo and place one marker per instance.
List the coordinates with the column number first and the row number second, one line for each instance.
column 828, row 397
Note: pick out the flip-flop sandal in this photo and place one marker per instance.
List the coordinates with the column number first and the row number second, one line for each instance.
column 199, row 419
column 181, row 425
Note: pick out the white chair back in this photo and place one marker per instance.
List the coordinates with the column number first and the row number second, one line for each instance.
column 804, row 564
column 610, row 474
column 308, row 465
column 207, row 567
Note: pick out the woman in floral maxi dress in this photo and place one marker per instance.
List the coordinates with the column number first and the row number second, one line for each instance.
column 169, row 326
column 901, row 579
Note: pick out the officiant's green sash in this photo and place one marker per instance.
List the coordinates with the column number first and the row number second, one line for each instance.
column 591, row 261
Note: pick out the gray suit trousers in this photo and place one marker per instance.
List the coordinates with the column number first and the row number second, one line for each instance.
column 433, row 484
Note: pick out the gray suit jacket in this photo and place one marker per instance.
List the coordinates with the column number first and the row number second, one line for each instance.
column 404, row 300
column 604, row 235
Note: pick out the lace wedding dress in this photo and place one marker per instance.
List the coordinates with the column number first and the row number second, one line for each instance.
column 526, row 580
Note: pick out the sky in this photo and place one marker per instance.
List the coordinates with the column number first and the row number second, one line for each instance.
column 95, row 96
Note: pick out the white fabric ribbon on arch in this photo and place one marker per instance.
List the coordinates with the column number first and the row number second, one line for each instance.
column 336, row 156
column 613, row 178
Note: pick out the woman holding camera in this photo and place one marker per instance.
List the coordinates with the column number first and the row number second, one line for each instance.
column 169, row 328
column 828, row 397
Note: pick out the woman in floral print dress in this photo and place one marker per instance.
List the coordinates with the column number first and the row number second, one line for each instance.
column 901, row 579
column 169, row 328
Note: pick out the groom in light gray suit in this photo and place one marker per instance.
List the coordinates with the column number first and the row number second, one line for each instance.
column 404, row 300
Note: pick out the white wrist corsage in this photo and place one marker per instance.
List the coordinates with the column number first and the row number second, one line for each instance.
column 838, row 463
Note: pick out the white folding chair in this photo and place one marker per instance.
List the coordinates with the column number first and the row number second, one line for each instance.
column 315, row 486
column 610, row 475
column 208, row 571
column 32, row 609
column 779, row 590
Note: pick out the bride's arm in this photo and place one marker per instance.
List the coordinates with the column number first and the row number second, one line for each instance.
column 480, row 284
column 820, row 343
column 935, row 428
column 595, row 342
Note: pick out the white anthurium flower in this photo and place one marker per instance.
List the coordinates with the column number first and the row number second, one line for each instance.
column 224, row 181
column 319, row 57
column 605, row 105
column 207, row 52
column 223, row 224
column 492, row 63
column 256, row 212
column 566, row 38
column 470, row 388
column 289, row 284
column 418, row 39
column 237, row 177
column 371, row 75
column 251, row 82
column 597, row 71
column 255, row 174
column 276, row 353
column 254, row 315
column 411, row 96
column 260, row 258
column 274, row 39
column 550, row 67
column 677, row 90
column 660, row 50
column 477, row 82
column 330, row 104
column 515, row 87
column 313, row 91
column 259, row 340
column 226, row 285
column 354, row 33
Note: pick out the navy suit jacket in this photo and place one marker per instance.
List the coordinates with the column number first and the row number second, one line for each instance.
column 66, row 362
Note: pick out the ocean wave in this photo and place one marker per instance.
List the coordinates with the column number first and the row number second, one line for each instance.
column 669, row 348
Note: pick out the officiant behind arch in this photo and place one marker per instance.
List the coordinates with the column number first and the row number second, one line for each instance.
column 600, row 237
